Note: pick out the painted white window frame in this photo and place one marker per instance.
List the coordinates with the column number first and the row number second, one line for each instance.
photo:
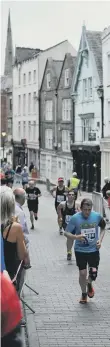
column 87, row 125
column 66, row 109
column 49, row 110
column 29, row 77
column 90, row 87
column 29, row 103
column 24, row 104
column 48, row 80
column 66, row 77
column 66, row 140
column 24, row 79
column 19, row 105
column 34, row 130
column 19, row 129
column 85, row 88
column 24, row 129
column 34, row 76
column 48, row 138
column 34, row 102
column 29, row 130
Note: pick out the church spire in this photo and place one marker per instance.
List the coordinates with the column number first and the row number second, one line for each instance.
column 8, row 50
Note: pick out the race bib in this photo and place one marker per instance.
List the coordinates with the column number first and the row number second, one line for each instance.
column 60, row 198
column 89, row 233
column 67, row 219
column 32, row 196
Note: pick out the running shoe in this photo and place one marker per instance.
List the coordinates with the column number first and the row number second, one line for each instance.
column 36, row 218
column 90, row 291
column 83, row 299
column 32, row 228
column 69, row 255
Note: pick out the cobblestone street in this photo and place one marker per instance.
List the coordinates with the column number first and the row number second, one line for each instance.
column 60, row 321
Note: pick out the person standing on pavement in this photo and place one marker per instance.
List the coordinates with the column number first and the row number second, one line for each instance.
column 60, row 191
column 20, row 197
column 84, row 229
column 31, row 167
column 66, row 210
column 74, row 184
column 25, row 177
column 9, row 175
column 33, row 193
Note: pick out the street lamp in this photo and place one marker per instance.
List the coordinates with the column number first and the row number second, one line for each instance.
column 3, row 142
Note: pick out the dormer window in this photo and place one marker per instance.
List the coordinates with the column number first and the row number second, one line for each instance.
column 67, row 78
column 48, row 80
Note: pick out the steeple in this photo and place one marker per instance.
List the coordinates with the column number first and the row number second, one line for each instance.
column 8, row 50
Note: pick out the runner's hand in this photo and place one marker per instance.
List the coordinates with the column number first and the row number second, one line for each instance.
column 98, row 244
column 80, row 237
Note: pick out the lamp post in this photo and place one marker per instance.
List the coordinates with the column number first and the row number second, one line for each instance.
column 3, row 142
column 100, row 93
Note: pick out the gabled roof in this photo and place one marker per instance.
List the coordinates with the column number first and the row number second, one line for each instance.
column 73, row 61
column 56, row 66
column 47, row 49
column 90, row 41
column 94, row 39
column 25, row 53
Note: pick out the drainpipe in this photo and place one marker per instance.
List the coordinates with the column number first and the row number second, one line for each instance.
column 56, row 118
column 102, row 116
column 39, row 101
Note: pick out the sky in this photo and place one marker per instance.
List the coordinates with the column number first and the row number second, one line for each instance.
column 41, row 24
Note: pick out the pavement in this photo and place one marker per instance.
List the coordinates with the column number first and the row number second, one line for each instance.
column 59, row 319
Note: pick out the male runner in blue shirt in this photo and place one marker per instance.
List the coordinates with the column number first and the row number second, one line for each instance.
column 84, row 229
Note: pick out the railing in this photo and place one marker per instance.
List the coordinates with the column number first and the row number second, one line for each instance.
column 101, row 205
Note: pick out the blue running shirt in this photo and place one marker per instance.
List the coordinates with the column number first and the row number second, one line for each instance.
column 87, row 226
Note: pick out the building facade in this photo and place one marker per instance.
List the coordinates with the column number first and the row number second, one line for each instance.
column 105, row 142
column 88, row 110
column 27, row 77
column 56, row 109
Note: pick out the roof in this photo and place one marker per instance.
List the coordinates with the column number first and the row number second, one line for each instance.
column 25, row 53
column 94, row 39
column 90, row 41
column 56, row 66
column 73, row 59
column 47, row 49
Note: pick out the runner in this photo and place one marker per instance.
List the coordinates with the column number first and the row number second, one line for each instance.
column 60, row 196
column 33, row 193
column 65, row 211
column 83, row 228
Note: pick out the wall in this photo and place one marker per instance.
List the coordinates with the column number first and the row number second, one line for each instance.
column 90, row 106
column 106, row 84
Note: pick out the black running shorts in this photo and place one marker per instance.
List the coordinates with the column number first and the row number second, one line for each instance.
column 33, row 207
column 83, row 259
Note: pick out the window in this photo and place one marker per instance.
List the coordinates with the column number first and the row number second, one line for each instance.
column 19, row 76
column 90, row 87
column 29, row 102
column 19, row 130
column 34, row 130
column 24, row 104
column 24, row 78
column 67, row 78
column 66, row 109
column 108, row 70
column 87, row 126
column 48, row 110
column 10, row 104
column 34, row 102
column 19, row 104
column 24, row 130
column 48, row 80
column 34, row 76
column 29, row 130
column 29, row 77
column 85, row 89
column 66, row 140
column 48, row 138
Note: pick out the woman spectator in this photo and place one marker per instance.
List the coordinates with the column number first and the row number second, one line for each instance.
column 25, row 177
column 14, row 245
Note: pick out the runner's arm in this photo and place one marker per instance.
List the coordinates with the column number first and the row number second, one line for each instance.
column 102, row 226
column 53, row 190
column 71, row 231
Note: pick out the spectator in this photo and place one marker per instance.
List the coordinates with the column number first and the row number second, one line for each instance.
column 106, row 187
column 74, row 184
column 9, row 175
column 31, row 167
column 20, row 200
column 25, row 177
column 14, row 245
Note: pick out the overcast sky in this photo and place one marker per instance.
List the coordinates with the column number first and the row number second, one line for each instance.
column 42, row 24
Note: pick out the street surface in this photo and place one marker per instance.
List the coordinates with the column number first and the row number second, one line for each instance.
column 60, row 321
